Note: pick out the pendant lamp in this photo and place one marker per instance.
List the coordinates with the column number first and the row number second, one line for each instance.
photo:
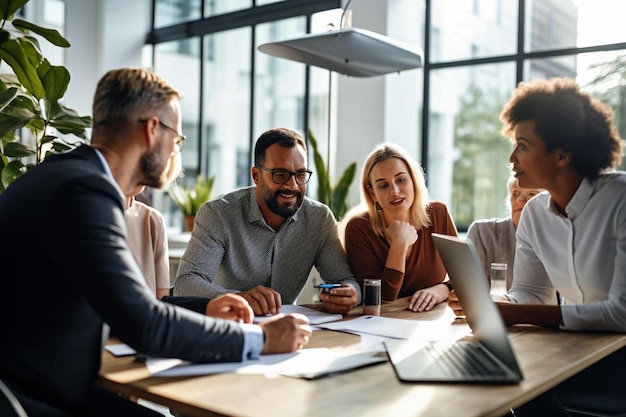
column 350, row 51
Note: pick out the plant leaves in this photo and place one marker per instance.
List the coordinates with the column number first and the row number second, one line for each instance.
column 4, row 36
column 190, row 199
column 32, row 50
column 9, row 7
column 11, row 123
column 340, row 191
column 60, row 146
column 51, row 35
column 17, row 150
column 13, row 54
column 7, row 96
column 55, row 80
column 323, row 182
column 47, row 139
column 12, row 171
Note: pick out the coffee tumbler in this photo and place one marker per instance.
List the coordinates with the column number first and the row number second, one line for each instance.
column 371, row 297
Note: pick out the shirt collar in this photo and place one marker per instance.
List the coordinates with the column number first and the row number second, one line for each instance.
column 254, row 211
column 579, row 200
column 107, row 171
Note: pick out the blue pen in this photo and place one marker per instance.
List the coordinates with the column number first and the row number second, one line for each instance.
column 327, row 287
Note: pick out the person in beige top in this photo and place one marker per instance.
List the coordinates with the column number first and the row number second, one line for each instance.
column 147, row 238
column 147, row 234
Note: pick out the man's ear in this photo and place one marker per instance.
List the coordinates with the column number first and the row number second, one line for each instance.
column 255, row 175
column 150, row 128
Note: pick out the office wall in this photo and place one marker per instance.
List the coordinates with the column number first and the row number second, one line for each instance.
column 104, row 34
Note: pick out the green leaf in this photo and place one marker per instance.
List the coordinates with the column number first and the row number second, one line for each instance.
column 55, row 80
column 32, row 50
column 4, row 36
column 9, row 7
column 17, row 150
column 13, row 54
column 51, row 35
column 11, row 124
column 190, row 199
column 72, row 125
column 12, row 171
column 323, row 182
column 7, row 96
column 340, row 192
column 59, row 146
column 47, row 139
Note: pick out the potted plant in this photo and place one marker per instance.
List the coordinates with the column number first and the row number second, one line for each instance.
column 30, row 97
column 334, row 196
column 189, row 199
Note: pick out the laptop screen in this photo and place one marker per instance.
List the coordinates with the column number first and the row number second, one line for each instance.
column 472, row 288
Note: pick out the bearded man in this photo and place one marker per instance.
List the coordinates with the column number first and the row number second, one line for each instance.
column 261, row 242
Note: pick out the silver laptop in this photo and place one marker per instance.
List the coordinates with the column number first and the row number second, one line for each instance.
column 488, row 358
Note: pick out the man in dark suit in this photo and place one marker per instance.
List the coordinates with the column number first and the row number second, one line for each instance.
column 67, row 269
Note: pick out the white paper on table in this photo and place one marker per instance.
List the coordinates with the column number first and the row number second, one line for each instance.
column 305, row 363
column 120, row 349
column 377, row 326
column 314, row 316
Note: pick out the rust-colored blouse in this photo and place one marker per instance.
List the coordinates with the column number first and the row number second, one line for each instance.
column 367, row 254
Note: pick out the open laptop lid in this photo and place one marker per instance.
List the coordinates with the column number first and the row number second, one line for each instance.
column 472, row 288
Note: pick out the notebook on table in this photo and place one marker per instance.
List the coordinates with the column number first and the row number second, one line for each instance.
column 488, row 358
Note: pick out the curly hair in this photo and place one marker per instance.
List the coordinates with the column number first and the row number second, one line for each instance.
column 567, row 119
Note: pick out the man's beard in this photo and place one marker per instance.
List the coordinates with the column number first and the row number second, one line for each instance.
column 153, row 167
column 286, row 210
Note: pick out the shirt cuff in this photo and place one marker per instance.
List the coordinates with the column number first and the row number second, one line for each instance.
column 253, row 340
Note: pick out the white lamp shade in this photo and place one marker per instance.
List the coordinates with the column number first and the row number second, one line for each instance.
column 354, row 52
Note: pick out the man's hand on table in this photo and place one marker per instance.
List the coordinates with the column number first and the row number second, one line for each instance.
column 230, row 307
column 263, row 300
column 285, row 333
column 339, row 300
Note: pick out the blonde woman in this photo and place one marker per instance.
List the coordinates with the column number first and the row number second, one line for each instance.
column 388, row 235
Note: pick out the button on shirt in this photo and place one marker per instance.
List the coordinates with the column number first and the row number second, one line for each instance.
column 582, row 255
column 233, row 249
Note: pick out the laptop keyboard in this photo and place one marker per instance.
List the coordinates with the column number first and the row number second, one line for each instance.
column 463, row 359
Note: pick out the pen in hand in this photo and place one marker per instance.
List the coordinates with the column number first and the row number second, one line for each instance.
column 327, row 287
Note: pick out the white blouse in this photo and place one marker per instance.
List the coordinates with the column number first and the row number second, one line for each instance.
column 582, row 256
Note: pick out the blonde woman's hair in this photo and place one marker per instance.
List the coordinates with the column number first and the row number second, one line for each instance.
column 174, row 168
column 419, row 211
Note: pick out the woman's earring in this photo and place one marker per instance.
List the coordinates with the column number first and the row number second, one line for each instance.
column 378, row 207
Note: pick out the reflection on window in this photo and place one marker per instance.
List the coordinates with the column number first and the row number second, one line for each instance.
column 171, row 12
column 467, row 155
column 226, row 108
column 218, row 7
column 461, row 24
column 279, row 83
column 168, row 63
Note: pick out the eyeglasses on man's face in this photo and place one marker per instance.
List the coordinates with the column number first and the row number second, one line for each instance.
column 281, row 176
column 179, row 139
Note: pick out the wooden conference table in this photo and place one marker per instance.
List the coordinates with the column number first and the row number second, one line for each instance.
column 547, row 357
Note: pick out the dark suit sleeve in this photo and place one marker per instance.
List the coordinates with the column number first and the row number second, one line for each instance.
column 85, row 231
column 197, row 304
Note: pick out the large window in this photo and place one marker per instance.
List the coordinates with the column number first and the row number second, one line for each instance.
column 479, row 51
column 233, row 92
